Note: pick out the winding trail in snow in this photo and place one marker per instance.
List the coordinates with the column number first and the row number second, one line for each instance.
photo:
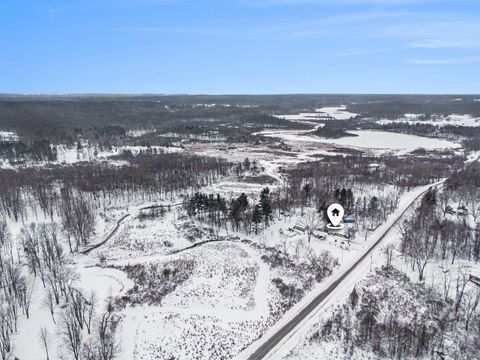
column 112, row 232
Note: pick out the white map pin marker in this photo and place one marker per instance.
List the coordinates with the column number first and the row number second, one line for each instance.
column 335, row 214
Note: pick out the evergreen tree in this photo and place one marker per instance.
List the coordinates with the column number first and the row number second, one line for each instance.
column 343, row 198
column 337, row 194
column 238, row 207
column 257, row 217
column 350, row 202
column 266, row 205
column 353, row 298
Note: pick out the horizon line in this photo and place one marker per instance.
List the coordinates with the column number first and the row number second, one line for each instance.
column 73, row 94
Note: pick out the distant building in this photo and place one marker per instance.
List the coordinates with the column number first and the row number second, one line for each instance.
column 349, row 220
column 301, row 227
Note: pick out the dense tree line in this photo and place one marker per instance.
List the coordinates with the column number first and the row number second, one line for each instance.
column 337, row 170
column 388, row 108
column 108, row 118
column 147, row 177
column 38, row 150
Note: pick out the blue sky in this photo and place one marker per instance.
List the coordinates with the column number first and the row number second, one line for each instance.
column 240, row 46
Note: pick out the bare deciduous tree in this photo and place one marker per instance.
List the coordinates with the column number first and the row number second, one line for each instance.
column 44, row 339
column 444, row 197
column 71, row 334
column 471, row 305
column 312, row 221
column 49, row 304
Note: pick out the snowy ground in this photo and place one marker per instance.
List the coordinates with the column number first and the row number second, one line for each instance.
column 337, row 112
column 71, row 154
column 8, row 136
column 322, row 114
column 219, row 310
column 228, row 300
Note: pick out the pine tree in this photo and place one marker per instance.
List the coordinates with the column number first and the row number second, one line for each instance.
column 257, row 217
column 350, row 201
column 266, row 205
column 343, row 198
column 353, row 298
column 238, row 207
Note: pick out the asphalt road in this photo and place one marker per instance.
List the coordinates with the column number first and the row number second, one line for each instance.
column 276, row 338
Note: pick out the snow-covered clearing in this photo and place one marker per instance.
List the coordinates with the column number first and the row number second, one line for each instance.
column 337, row 112
column 87, row 153
column 70, row 155
column 322, row 114
column 8, row 136
column 218, row 311
column 139, row 132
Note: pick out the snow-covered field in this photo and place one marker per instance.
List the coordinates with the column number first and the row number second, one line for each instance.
column 219, row 310
column 337, row 112
column 322, row 114
column 70, row 155
column 8, row 136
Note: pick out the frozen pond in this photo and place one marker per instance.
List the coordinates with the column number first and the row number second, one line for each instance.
column 383, row 140
column 366, row 139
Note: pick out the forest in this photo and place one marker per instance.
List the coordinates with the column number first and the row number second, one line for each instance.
column 186, row 198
